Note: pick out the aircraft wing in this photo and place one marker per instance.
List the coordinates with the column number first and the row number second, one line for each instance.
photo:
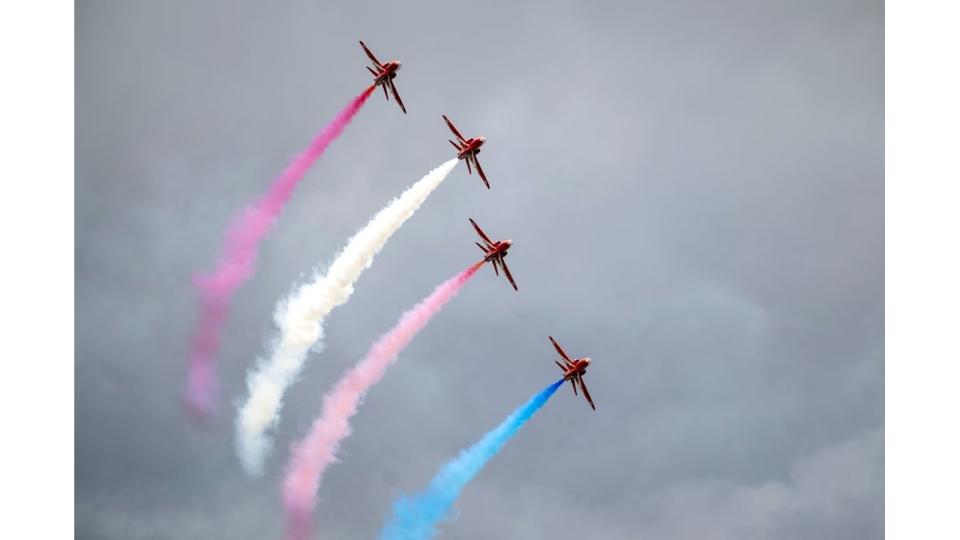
column 480, row 171
column 370, row 54
column 506, row 271
column 586, row 393
column 393, row 90
column 480, row 231
column 560, row 350
column 453, row 129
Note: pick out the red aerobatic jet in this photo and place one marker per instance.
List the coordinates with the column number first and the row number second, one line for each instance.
column 467, row 149
column 495, row 252
column 573, row 371
column 383, row 75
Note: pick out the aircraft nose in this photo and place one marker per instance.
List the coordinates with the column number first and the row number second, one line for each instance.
column 508, row 242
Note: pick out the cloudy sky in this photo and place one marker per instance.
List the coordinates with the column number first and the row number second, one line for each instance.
column 695, row 194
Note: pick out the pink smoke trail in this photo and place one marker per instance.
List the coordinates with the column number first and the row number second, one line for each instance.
column 311, row 456
column 236, row 264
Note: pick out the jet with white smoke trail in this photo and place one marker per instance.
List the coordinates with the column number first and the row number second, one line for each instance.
column 317, row 451
column 416, row 518
column 300, row 318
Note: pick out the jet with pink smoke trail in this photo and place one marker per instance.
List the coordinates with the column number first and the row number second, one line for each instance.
column 300, row 318
column 383, row 76
column 311, row 456
column 237, row 262
column 495, row 253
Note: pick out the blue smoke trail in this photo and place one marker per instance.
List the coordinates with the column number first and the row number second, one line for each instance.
column 416, row 518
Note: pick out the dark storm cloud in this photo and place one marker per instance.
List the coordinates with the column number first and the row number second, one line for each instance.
column 695, row 193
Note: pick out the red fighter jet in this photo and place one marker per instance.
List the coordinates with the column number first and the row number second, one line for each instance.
column 573, row 371
column 467, row 149
column 383, row 76
column 495, row 252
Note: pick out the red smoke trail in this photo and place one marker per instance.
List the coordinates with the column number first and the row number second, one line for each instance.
column 236, row 264
column 313, row 454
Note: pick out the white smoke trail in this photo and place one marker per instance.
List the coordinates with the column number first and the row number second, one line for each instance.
column 300, row 319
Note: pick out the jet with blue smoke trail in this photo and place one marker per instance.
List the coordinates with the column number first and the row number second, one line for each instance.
column 416, row 518
column 573, row 371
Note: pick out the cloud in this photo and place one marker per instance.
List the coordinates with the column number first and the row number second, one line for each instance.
column 836, row 492
column 695, row 192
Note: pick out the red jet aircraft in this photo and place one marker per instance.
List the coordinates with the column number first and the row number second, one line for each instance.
column 495, row 252
column 384, row 76
column 467, row 149
column 573, row 371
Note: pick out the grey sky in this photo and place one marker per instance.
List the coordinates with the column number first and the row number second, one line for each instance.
column 695, row 193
